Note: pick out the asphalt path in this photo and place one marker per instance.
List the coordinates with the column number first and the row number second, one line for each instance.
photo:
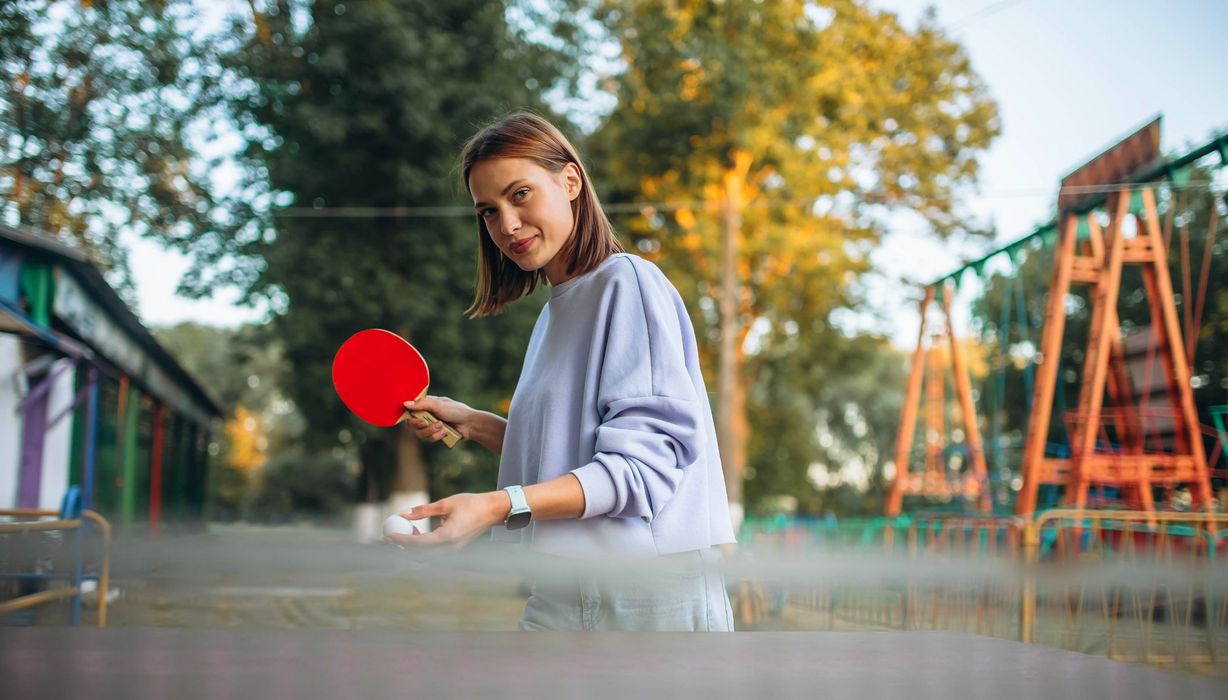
column 242, row 663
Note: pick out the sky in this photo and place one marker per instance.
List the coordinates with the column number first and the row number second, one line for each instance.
column 1070, row 78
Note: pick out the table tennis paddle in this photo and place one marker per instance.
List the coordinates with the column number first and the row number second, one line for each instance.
column 376, row 371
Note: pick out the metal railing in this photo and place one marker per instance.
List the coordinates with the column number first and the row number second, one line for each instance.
column 32, row 521
column 1148, row 587
column 1130, row 585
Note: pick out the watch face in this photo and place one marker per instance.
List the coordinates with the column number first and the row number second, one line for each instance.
column 515, row 521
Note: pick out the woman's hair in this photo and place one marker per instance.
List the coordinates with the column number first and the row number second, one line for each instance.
column 523, row 135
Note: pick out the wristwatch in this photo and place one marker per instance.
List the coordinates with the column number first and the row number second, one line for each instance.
column 520, row 514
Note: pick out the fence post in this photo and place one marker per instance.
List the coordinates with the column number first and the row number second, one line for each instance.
column 71, row 510
column 1027, row 605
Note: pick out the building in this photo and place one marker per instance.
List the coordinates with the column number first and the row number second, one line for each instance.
column 89, row 397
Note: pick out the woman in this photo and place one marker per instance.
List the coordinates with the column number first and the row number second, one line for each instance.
column 609, row 444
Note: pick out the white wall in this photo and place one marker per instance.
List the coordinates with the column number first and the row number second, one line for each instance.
column 10, row 421
column 58, row 445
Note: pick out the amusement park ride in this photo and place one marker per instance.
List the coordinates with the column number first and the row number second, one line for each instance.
column 1135, row 428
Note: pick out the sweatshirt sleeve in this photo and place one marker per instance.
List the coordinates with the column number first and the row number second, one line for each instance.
column 651, row 426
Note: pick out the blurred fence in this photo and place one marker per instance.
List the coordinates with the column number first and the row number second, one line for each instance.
column 1145, row 587
column 47, row 556
column 1132, row 586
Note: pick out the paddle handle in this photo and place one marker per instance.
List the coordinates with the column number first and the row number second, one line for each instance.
column 450, row 435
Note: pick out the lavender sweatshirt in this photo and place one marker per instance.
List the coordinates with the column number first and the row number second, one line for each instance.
column 611, row 391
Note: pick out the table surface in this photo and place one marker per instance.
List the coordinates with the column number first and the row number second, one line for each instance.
column 45, row 662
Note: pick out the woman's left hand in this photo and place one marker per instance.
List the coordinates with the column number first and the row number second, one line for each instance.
column 462, row 518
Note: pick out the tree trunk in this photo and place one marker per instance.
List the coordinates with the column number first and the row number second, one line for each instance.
column 410, row 486
column 730, row 410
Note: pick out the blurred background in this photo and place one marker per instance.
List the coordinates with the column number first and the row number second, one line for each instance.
column 200, row 200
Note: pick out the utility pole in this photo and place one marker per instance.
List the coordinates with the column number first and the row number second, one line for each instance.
column 731, row 438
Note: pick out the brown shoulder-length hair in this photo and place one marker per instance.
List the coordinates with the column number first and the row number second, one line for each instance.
column 525, row 135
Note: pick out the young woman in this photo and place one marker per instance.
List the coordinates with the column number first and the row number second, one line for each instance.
column 609, row 445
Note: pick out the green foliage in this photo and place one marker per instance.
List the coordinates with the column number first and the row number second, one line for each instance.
column 829, row 116
column 1007, row 320
column 245, row 371
column 230, row 492
column 299, row 484
column 367, row 105
column 836, row 405
column 95, row 132
column 238, row 367
column 832, row 113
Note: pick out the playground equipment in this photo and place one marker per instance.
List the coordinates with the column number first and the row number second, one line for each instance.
column 1135, row 427
column 1129, row 459
column 934, row 479
column 76, row 522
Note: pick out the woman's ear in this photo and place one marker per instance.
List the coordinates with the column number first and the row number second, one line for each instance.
column 572, row 182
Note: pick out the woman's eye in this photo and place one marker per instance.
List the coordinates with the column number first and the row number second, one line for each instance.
column 520, row 194
column 487, row 213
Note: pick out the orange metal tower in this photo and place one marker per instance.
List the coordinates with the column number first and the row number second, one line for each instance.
column 1109, row 444
column 931, row 479
column 1107, row 220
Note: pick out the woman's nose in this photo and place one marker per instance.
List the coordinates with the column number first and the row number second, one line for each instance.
column 510, row 223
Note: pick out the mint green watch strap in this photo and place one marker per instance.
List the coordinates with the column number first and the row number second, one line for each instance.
column 519, row 503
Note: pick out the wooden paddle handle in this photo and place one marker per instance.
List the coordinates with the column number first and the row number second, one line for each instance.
column 450, row 435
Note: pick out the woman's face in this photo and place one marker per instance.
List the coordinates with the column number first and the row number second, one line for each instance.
column 527, row 211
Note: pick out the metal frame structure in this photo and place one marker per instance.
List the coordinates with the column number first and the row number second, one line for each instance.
column 72, row 518
column 932, row 479
column 1133, row 463
column 1086, row 254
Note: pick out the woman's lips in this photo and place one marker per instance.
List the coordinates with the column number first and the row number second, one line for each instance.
column 521, row 246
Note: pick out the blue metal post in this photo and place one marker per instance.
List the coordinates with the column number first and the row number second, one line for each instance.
column 91, row 442
column 70, row 510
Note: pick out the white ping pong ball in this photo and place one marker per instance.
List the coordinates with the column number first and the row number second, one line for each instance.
column 395, row 524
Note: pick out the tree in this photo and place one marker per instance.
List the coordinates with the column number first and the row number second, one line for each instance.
column 354, row 115
column 99, row 103
column 769, row 143
column 245, row 371
column 836, row 406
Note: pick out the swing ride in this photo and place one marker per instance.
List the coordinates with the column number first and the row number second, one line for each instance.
column 1107, row 331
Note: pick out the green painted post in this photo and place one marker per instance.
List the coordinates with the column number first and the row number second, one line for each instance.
column 107, row 468
column 76, row 441
column 170, row 483
column 181, row 465
column 131, row 421
column 1217, row 415
column 194, row 486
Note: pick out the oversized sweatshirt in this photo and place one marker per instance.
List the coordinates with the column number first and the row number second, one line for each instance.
column 611, row 391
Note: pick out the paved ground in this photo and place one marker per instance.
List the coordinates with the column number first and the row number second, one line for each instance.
column 243, row 611
column 292, row 578
column 184, row 663
column 312, row 578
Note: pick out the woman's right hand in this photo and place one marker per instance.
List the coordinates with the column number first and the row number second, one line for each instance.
column 454, row 413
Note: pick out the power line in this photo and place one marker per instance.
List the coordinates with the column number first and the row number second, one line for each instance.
column 653, row 207
column 987, row 11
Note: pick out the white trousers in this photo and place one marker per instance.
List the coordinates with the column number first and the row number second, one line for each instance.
column 679, row 593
